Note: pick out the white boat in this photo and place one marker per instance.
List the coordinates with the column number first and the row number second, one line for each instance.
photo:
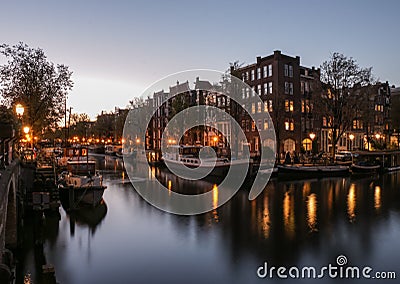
column 177, row 156
column 81, row 183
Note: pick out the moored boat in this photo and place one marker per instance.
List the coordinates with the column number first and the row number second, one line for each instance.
column 81, row 183
column 177, row 156
column 300, row 171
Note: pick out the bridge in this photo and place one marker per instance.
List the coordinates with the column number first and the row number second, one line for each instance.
column 10, row 177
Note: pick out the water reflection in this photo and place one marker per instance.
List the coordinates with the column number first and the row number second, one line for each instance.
column 351, row 202
column 312, row 211
column 295, row 223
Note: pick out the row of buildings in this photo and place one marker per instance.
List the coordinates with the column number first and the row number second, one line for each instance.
column 287, row 92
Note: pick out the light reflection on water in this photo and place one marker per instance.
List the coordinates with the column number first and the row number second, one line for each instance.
column 298, row 223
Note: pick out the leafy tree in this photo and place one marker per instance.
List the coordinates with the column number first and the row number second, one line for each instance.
column 344, row 93
column 395, row 115
column 30, row 79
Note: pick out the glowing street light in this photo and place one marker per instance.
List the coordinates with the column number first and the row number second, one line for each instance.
column 19, row 109
column 312, row 136
column 26, row 129
column 351, row 136
column 377, row 136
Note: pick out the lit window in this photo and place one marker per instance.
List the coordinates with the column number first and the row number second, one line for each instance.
column 291, row 106
column 266, row 125
column 286, row 105
column 253, row 108
column 259, row 107
column 287, row 124
column 265, row 72
column 247, row 92
column 265, row 106
column 270, row 105
column 259, row 90
column 302, row 106
column 258, row 73
column 270, row 87
column 254, row 91
column 270, row 70
column 253, row 126
column 252, row 75
column 247, row 75
column 243, row 76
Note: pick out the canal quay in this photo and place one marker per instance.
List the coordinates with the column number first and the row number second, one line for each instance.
column 124, row 239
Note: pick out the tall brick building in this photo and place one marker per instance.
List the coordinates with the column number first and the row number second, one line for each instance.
column 285, row 87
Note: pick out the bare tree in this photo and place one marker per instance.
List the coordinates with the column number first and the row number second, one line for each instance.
column 343, row 94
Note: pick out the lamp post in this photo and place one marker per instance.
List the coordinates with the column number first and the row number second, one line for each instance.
column 351, row 136
column 312, row 137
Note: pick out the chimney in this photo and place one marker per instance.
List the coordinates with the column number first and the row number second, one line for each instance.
column 258, row 59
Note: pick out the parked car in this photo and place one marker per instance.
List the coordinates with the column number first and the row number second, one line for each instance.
column 344, row 156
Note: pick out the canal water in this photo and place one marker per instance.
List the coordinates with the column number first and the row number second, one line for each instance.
column 292, row 223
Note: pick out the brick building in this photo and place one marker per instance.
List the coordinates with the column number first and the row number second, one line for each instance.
column 285, row 88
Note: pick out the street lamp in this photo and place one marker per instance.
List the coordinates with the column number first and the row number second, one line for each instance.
column 19, row 109
column 26, row 129
column 377, row 136
column 312, row 136
column 351, row 136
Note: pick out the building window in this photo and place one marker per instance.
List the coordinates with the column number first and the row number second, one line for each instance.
column 253, row 126
column 324, row 121
column 259, row 107
column 266, row 125
column 289, row 106
column 291, row 88
column 247, row 92
column 243, row 76
column 252, row 75
column 287, row 124
column 256, row 144
column 270, row 87
column 286, row 105
column 253, row 108
column 290, row 71
column 270, row 105
column 243, row 93
column 247, row 75
column 286, row 87
column 243, row 124
column 258, row 73
column 357, row 124
column 306, row 87
column 302, row 106
column 265, row 88
column 302, row 87
column 265, row 106
column 259, row 124
column 247, row 125
column 265, row 72
column 270, row 70
column 286, row 70
column 253, row 93
column 259, row 90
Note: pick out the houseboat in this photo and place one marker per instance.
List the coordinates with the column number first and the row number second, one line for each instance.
column 375, row 162
column 315, row 171
column 189, row 156
column 81, row 183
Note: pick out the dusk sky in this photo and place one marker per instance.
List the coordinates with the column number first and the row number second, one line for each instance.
column 118, row 48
